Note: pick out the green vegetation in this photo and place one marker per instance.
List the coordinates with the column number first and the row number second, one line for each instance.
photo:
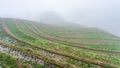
column 30, row 35
column 8, row 61
column 84, row 37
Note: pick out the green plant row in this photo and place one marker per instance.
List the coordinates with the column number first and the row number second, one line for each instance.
column 38, row 27
column 69, row 43
column 43, row 48
column 40, row 56
column 9, row 33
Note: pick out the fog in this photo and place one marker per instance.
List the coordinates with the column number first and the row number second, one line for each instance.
column 104, row 14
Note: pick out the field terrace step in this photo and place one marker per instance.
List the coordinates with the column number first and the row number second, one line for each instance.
column 21, row 56
column 84, row 61
column 41, row 34
column 51, row 55
column 30, row 55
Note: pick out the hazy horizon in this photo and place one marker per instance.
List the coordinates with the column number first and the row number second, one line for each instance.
column 103, row 14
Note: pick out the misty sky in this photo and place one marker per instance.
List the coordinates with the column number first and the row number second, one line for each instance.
column 104, row 14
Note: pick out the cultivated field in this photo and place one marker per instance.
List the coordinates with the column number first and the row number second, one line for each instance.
column 30, row 44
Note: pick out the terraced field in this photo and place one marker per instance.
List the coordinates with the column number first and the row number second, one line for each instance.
column 36, row 45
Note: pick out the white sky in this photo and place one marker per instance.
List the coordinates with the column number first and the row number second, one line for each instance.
column 104, row 14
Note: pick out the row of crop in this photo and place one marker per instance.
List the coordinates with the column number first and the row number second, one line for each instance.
column 74, row 36
column 34, row 54
column 72, row 60
column 6, row 39
column 84, row 32
column 17, row 42
column 101, row 41
column 29, row 43
column 38, row 32
column 31, row 27
column 21, row 57
column 79, row 35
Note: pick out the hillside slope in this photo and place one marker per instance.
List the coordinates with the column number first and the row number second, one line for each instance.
column 56, row 46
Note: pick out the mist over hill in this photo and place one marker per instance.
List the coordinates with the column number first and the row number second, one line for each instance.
column 87, row 18
column 52, row 18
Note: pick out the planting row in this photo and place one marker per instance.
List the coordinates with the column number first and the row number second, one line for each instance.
column 31, row 56
column 102, row 64
column 43, row 35
column 29, row 60
column 87, row 41
column 68, row 56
